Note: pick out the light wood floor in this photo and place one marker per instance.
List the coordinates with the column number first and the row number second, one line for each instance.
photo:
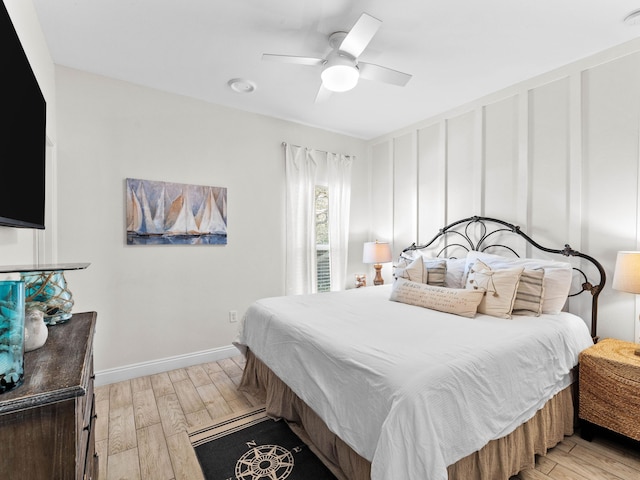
column 141, row 429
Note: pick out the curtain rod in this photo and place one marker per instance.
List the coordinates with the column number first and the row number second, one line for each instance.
column 284, row 144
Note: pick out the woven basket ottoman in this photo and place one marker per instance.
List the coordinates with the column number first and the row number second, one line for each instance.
column 609, row 385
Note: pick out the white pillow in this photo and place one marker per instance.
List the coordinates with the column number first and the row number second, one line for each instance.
column 458, row 301
column 454, row 277
column 413, row 270
column 500, row 287
column 556, row 282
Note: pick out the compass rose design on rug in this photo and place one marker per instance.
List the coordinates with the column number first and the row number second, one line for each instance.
column 252, row 446
column 265, row 461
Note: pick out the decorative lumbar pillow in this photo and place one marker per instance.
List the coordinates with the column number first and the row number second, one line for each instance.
column 500, row 288
column 459, row 301
column 413, row 270
column 556, row 282
column 436, row 271
column 529, row 294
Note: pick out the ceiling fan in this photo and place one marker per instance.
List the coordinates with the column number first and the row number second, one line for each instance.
column 341, row 70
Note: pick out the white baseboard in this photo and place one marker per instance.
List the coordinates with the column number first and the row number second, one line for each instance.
column 119, row 374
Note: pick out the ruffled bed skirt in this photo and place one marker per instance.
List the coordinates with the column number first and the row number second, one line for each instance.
column 499, row 459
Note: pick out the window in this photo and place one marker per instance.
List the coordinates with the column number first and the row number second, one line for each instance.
column 323, row 263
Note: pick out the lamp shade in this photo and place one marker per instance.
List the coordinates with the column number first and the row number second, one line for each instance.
column 626, row 276
column 376, row 252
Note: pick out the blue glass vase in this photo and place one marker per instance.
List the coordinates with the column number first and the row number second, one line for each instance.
column 11, row 334
column 47, row 291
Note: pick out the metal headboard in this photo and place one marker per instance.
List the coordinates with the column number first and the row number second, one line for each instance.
column 476, row 235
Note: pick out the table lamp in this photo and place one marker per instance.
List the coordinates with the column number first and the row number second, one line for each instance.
column 626, row 276
column 376, row 253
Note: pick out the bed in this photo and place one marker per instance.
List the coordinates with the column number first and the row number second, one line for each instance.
column 463, row 367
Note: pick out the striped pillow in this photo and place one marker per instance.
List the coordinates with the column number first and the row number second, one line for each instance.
column 529, row 295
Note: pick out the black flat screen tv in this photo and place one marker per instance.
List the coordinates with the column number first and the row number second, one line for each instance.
column 22, row 135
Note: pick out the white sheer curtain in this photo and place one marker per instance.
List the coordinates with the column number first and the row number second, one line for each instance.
column 301, row 167
column 339, row 183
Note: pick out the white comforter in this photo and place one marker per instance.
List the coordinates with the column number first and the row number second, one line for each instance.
column 412, row 390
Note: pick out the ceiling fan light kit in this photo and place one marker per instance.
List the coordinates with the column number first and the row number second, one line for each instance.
column 341, row 70
column 340, row 73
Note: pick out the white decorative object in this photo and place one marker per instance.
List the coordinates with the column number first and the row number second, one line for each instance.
column 35, row 330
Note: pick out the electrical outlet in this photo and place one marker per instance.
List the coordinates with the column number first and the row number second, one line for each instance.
column 233, row 316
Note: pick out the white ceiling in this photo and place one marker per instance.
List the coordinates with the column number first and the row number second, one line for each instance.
column 456, row 50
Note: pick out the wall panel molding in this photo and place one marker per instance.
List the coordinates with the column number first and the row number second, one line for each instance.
column 558, row 155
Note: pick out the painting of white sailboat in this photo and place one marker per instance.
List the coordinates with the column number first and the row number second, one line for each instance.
column 175, row 213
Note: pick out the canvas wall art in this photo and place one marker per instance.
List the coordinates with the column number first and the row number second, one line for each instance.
column 175, row 213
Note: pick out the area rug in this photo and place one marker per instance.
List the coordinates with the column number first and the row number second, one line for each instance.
column 252, row 446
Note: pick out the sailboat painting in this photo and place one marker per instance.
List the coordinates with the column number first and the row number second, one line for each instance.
column 175, row 213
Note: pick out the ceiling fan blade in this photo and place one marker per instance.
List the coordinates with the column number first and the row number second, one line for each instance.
column 323, row 94
column 311, row 61
column 360, row 35
column 370, row 71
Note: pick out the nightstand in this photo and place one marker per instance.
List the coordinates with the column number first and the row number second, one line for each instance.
column 609, row 385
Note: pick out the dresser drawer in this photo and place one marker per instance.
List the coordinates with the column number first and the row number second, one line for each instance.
column 85, row 425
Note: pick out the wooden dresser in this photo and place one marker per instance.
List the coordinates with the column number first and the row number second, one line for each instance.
column 47, row 423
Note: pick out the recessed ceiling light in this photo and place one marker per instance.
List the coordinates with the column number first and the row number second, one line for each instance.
column 633, row 18
column 240, row 85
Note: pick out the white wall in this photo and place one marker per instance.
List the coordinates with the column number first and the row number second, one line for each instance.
column 557, row 155
column 161, row 301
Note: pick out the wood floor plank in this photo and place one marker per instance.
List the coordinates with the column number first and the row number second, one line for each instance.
column 140, row 383
column 240, row 361
column 531, row 474
column 122, row 430
column 161, row 384
column 628, row 455
column 145, row 409
column 566, row 445
column 227, row 388
column 102, row 450
column 218, row 408
column 183, row 458
column 560, row 472
column 605, row 462
column 120, row 395
column 178, row 375
column 102, row 392
column 200, row 418
column 209, row 393
column 198, row 375
column 230, row 367
column 586, row 469
column 239, row 404
column 155, row 463
column 171, row 414
column 123, row 466
column 212, row 368
column 544, row 465
column 188, row 396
